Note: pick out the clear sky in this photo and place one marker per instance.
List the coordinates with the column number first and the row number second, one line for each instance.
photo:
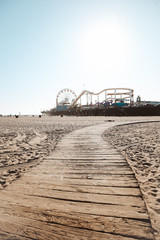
column 48, row 45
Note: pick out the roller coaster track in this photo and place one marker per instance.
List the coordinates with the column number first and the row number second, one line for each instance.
column 130, row 93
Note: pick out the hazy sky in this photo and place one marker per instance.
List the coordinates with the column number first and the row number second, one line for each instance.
column 48, row 45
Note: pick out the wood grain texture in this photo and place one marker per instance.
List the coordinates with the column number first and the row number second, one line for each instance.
column 84, row 190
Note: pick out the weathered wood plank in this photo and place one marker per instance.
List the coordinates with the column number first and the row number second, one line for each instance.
column 84, row 190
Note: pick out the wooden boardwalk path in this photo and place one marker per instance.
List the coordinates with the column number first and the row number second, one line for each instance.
column 84, row 190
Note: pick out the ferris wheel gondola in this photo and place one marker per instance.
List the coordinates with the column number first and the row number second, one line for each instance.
column 65, row 97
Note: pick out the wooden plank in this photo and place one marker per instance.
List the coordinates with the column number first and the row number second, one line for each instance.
column 49, row 225
column 84, row 190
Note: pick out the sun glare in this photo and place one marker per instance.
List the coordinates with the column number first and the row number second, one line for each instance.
column 104, row 45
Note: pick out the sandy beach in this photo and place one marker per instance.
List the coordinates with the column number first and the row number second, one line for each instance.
column 140, row 145
column 25, row 141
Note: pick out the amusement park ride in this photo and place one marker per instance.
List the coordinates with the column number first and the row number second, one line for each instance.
column 107, row 98
column 108, row 102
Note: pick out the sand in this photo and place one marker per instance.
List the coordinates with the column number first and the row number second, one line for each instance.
column 25, row 141
column 140, row 145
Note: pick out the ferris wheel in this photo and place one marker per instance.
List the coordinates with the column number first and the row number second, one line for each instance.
column 65, row 97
